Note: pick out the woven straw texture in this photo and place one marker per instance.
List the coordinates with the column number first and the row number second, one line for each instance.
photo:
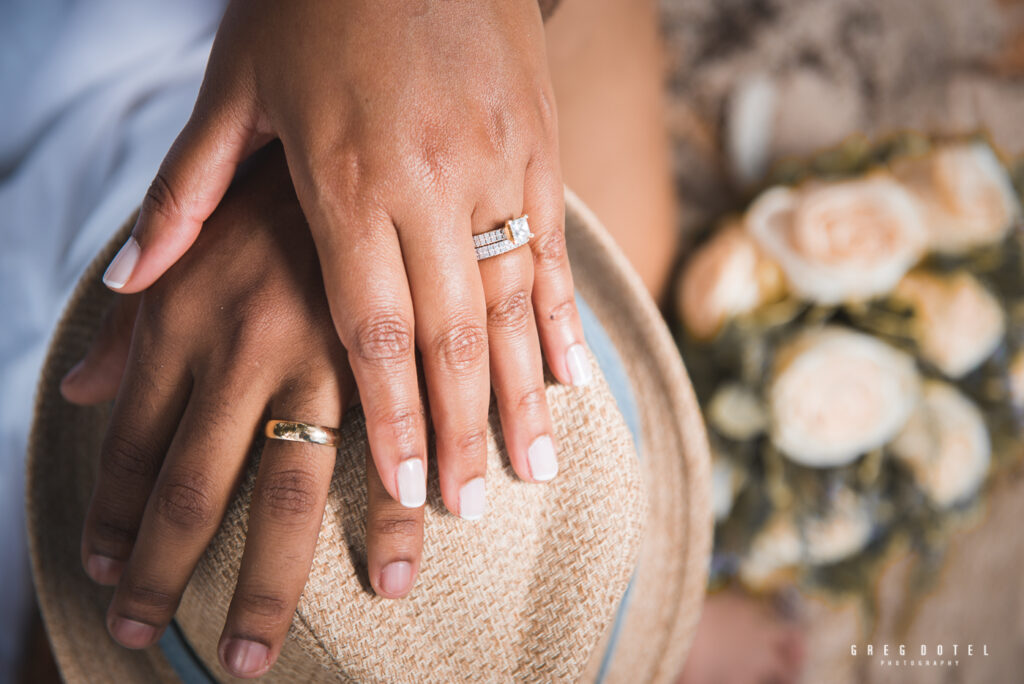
column 671, row 575
column 525, row 594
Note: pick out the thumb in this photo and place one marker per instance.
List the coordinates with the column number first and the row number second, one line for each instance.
column 191, row 181
column 96, row 378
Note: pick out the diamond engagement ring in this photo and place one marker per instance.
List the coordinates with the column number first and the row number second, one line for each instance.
column 514, row 233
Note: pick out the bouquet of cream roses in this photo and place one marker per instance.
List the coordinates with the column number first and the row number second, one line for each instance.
column 856, row 338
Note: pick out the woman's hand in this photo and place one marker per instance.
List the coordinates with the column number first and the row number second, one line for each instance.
column 408, row 127
column 236, row 333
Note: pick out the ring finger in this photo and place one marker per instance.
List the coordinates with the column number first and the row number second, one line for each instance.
column 284, row 520
column 517, row 367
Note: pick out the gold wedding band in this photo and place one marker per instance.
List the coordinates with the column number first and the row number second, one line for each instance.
column 293, row 431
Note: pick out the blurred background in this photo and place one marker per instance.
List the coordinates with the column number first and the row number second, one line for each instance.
column 802, row 93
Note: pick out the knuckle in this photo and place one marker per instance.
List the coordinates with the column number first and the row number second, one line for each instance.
column 533, row 400
column 472, row 444
column 110, row 532
column 184, row 501
column 501, row 130
column 403, row 423
column 563, row 312
column 146, row 595
column 460, row 345
column 161, row 312
column 265, row 604
column 394, row 525
column 161, row 199
column 288, row 495
column 510, row 312
column 550, row 251
column 343, row 172
column 437, row 154
column 547, row 113
column 127, row 458
column 381, row 340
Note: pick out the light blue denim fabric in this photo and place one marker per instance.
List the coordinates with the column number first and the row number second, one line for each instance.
column 191, row 670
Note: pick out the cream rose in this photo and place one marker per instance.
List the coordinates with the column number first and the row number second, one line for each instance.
column 736, row 412
column 836, row 394
column 728, row 276
column 726, row 481
column 965, row 194
column 843, row 531
column 773, row 553
column 840, row 241
column 789, row 539
column 957, row 323
column 945, row 444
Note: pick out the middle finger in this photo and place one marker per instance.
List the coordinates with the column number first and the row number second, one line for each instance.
column 451, row 332
column 285, row 514
column 191, row 494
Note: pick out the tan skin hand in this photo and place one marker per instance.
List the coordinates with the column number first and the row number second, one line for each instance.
column 238, row 331
column 408, row 127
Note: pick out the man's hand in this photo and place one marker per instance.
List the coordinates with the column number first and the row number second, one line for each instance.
column 238, row 331
column 408, row 127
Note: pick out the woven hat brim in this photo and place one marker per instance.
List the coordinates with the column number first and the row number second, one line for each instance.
column 669, row 580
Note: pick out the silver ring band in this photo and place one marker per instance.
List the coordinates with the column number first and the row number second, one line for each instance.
column 513, row 234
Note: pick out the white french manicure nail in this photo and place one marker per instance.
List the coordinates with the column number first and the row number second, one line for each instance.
column 541, row 457
column 412, row 483
column 579, row 365
column 473, row 499
column 120, row 269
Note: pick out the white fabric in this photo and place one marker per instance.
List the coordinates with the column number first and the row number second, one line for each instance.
column 92, row 93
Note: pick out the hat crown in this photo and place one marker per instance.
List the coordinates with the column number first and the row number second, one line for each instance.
column 591, row 513
column 526, row 592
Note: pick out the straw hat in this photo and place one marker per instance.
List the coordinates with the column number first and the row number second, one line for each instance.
column 599, row 574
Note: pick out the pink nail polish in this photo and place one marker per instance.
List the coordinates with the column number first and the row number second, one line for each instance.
column 122, row 266
column 395, row 578
column 244, row 657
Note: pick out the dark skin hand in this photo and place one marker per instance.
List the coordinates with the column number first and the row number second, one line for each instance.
column 408, row 127
column 236, row 332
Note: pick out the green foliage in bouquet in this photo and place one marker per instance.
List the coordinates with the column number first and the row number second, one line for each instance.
column 856, row 339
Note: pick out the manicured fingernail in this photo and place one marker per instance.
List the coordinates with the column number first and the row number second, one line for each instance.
column 244, row 657
column 131, row 633
column 579, row 365
column 541, row 457
column 395, row 578
column 412, row 483
column 473, row 499
column 120, row 269
column 103, row 570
